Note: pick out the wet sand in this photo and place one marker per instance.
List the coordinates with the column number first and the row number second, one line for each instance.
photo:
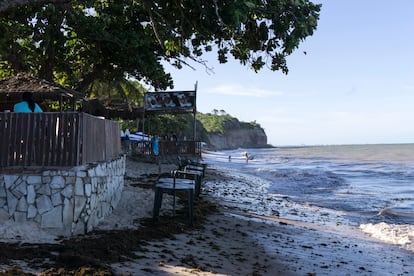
column 224, row 240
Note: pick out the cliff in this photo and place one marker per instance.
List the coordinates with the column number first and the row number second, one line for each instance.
column 223, row 131
column 238, row 138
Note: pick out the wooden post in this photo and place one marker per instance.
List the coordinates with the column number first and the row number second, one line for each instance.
column 195, row 112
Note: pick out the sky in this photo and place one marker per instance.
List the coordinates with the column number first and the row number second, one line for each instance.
column 355, row 85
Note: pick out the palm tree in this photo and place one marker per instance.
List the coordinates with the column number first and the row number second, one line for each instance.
column 117, row 92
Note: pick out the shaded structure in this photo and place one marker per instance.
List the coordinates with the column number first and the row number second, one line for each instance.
column 12, row 89
column 172, row 102
column 51, row 139
column 155, row 103
column 112, row 110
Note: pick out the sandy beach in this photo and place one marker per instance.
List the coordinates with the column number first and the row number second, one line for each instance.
column 224, row 240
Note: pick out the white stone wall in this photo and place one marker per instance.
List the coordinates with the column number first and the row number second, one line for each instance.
column 64, row 202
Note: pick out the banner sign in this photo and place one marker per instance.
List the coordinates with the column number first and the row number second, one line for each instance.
column 170, row 100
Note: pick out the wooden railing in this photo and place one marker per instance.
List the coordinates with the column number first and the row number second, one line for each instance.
column 166, row 148
column 52, row 139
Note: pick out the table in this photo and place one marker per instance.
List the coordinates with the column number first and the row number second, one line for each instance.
column 172, row 185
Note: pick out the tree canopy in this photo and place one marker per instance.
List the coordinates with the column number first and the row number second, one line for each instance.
column 81, row 42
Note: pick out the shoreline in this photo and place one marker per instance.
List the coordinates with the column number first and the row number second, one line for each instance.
column 226, row 240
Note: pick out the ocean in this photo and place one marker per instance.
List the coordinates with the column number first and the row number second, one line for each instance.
column 369, row 188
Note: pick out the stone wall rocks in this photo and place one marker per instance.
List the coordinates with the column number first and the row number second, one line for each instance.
column 66, row 201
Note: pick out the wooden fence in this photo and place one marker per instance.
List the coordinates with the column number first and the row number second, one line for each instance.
column 166, row 148
column 52, row 139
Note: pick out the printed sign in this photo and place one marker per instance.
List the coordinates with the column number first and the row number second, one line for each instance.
column 169, row 100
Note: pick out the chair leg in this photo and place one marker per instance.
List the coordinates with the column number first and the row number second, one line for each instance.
column 174, row 202
column 190, row 205
column 198, row 185
column 157, row 203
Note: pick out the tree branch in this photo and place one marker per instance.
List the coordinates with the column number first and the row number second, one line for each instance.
column 154, row 28
column 10, row 4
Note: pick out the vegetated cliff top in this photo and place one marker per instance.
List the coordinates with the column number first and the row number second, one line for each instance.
column 214, row 123
column 222, row 131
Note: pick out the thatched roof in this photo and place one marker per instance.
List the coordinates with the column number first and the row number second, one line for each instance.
column 12, row 88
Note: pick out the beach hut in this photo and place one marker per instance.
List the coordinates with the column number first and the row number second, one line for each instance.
column 12, row 89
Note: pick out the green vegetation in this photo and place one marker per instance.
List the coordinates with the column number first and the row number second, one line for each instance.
column 183, row 125
column 118, row 91
column 214, row 123
column 108, row 48
column 81, row 42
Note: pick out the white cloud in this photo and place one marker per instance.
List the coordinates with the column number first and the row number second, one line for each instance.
column 239, row 90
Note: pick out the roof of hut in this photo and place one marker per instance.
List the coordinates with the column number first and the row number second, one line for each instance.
column 12, row 88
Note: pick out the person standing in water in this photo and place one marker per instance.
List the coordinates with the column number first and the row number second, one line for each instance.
column 246, row 155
